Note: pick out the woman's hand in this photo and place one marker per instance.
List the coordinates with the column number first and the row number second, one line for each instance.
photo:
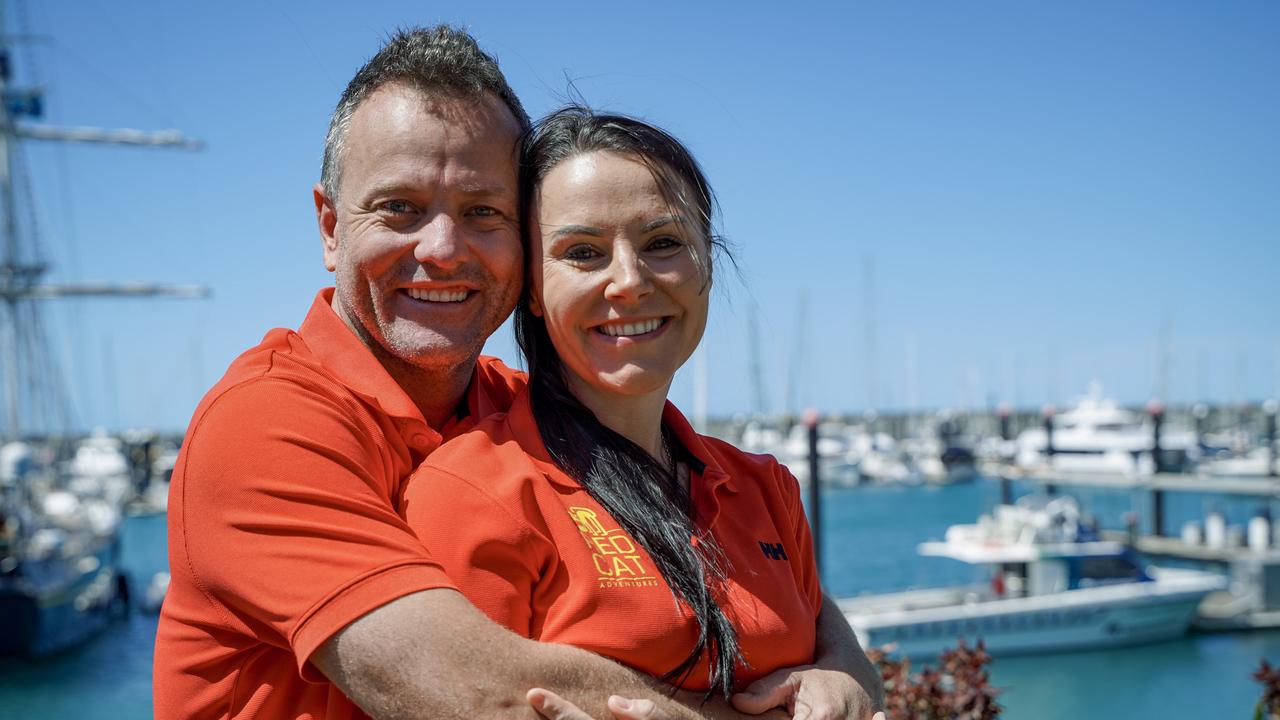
column 808, row 693
column 553, row 707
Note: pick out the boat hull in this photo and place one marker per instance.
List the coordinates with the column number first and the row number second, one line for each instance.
column 45, row 617
column 1031, row 625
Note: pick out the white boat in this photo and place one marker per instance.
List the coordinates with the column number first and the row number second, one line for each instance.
column 1053, row 587
column 1097, row 435
column 792, row 450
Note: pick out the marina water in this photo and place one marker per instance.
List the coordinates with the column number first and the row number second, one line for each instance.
column 871, row 534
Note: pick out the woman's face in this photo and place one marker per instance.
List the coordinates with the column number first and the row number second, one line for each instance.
column 617, row 275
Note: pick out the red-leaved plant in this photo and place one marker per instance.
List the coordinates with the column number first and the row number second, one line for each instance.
column 1269, row 704
column 958, row 689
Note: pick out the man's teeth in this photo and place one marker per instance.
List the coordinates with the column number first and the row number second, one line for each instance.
column 438, row 295
column 629, row 329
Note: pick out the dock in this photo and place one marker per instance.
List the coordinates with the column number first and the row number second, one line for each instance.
column 1171, row 547
column 1249, row 485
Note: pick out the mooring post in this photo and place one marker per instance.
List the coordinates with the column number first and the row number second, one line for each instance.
column 1201, row 413
column 1156, row 409
column 1157, row 512
column 815, row 489
column 1047, row 412
column 1270, row 407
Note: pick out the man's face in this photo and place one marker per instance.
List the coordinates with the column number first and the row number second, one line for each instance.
column 423, row 237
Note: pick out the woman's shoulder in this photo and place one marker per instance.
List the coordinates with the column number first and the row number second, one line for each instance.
column 743, row 465
column 489, row 455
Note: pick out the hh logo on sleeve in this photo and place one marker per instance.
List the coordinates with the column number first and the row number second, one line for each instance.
column 617, row 560
column 773, row 551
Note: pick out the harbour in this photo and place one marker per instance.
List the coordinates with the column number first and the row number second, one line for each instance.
column 1197, row 675
column 985, row 329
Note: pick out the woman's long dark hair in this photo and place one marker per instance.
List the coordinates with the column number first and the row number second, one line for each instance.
column 645, row 498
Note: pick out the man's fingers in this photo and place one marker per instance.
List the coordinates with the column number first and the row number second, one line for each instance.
column 878, row 716
column 553, row 707
column 627, row 709
column 771, row 691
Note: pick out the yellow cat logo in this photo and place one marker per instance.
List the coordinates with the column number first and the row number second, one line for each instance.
column 617, row 561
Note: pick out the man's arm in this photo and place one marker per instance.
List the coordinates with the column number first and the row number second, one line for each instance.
column 432, row 654
column 837, row 648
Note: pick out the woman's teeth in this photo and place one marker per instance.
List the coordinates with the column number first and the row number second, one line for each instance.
column 629, row 329
column 438, row 295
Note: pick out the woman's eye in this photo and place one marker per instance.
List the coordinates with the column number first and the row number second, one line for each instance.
column 581, row 253
column 664, row 242
column 484, row 211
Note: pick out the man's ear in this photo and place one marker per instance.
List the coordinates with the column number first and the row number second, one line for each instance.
column 327, row 219
column 535, row 307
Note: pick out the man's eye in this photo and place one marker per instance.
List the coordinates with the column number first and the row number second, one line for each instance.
column 484, row 211
column 397, row 207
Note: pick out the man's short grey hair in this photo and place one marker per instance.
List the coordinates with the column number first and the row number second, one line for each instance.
column 439, row 60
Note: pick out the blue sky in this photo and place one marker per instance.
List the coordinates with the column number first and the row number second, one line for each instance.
column 1038, row 189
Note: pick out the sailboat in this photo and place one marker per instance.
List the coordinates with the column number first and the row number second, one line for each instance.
column 59, row 527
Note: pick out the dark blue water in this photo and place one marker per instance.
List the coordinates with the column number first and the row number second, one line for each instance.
column 871, row 534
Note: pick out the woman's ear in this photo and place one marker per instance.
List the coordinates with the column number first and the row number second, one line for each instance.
column 535, row 307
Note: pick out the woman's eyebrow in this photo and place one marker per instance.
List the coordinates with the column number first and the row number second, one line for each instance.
column 668, row 220
column 565, row 230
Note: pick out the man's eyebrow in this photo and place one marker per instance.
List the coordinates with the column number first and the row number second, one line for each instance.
column 483, row 189
column 396, row 187
column 566, row 230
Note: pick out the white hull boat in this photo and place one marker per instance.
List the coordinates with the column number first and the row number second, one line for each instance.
column 1054, row 588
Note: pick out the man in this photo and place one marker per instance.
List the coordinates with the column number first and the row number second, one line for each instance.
column 296, row 589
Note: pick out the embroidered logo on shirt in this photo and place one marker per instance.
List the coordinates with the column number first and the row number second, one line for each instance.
column 773, row 552
column 617, row 560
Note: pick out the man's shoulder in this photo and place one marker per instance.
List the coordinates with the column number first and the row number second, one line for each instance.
column 276, row 375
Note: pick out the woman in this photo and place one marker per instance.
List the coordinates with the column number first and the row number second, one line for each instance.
column 592, row 514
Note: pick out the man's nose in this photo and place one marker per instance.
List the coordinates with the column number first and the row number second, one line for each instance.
column 629, row 278
column 440, row 242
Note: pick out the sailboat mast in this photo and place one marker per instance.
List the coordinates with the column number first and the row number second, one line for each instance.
column 10, row 273
column 25, row 353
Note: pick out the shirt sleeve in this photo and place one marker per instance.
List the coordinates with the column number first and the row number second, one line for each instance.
column 807, row 565
column 492, row 554
column 289, row 527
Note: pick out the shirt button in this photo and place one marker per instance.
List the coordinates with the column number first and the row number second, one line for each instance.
column 420, row 441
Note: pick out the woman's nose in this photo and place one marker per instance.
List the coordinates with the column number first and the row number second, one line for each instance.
column 628, row 276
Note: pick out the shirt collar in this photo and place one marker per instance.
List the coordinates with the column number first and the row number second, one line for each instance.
column 351, row 363
column 524, row 429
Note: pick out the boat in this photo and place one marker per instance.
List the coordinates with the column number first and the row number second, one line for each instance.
column 791, row 448
column 59, row 523
column 59, row 551
column 1098, row 436
column 1052, row 586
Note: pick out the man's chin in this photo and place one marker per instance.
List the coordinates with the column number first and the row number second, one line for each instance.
column 434, row 352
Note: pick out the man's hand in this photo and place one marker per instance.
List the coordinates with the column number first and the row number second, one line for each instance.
column 553, row 707
column 808, row 693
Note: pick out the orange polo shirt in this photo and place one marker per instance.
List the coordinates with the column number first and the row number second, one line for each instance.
column 528, row 546
column 282, row 520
